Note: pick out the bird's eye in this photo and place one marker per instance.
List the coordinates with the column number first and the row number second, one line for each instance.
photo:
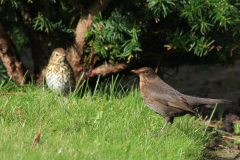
column 146, row 71
column 56, row 54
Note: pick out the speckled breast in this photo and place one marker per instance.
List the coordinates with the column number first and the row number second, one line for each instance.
column 58, row 83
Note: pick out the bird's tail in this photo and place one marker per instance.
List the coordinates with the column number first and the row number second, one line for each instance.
column 214, row 101
column 196, row 100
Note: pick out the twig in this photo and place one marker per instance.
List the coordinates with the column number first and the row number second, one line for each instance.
column 236, row 122
column 228, row 137
column 160, row 58
column 20, row 94
column 222, row 146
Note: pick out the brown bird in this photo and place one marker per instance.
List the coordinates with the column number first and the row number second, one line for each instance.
column 59, row 73
column 166, row 101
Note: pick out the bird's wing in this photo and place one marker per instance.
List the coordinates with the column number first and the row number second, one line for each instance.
column 176, row 102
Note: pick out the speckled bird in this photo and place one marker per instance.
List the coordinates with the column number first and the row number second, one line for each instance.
column 59, row 73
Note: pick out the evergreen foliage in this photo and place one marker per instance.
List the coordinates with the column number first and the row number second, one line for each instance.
column 198, row 27
column 136, row 29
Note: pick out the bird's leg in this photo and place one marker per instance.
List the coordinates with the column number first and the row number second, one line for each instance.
column 171, row 122
column 163, row 127
column 167, row 119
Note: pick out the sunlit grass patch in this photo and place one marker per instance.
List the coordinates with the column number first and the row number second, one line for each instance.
column 109, row 124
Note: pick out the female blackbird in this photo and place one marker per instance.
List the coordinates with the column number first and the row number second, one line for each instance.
column 166, row 101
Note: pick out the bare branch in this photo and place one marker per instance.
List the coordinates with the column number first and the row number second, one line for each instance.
column 11, row 58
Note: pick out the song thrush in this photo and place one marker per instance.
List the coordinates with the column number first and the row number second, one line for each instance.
column 59, row 73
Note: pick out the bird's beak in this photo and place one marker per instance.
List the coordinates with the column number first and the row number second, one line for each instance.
column 135, row 71
column 62, row 58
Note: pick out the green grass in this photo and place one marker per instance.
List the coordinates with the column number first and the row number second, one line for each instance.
column 104, row 126
column 237, row 128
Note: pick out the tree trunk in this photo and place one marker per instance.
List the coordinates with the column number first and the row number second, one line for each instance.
column 11, row 58
column 76, row 51
column 39, row 48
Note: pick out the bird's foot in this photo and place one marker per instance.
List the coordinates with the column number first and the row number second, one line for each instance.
column 157, row 135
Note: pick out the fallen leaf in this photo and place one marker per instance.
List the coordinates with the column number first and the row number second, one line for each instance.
column 37, row 137
column 233, row 49
column 169, row 47
column 151, row 122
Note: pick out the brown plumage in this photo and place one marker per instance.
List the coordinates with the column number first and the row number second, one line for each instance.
column 166, row 101
column 59, row 73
